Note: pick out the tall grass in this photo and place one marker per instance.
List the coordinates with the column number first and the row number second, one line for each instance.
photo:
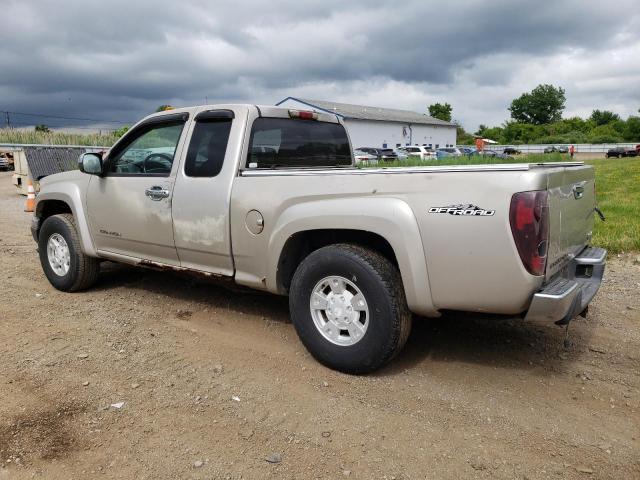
column 9, row 135
column 618, row 193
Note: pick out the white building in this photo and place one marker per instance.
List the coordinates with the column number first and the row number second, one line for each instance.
column 382, row 127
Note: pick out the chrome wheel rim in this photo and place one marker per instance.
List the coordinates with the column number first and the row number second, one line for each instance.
column 58, row 254
column 339, row 310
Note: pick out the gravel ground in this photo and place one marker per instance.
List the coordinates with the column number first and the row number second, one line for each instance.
column 158, row 375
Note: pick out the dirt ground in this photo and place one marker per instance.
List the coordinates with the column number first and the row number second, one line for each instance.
column 213, row 383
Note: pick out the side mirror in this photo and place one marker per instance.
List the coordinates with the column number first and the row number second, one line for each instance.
column 90, row 163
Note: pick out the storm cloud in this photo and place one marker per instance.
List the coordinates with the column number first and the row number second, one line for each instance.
column 119, row 60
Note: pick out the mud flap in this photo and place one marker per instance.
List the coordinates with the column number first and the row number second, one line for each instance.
column 575, row 310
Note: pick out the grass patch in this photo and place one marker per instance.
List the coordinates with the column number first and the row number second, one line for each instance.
column 9, row 135
column 618, row 193
column 618, row 187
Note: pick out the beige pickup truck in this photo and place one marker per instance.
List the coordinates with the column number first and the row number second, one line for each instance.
column 270, row 198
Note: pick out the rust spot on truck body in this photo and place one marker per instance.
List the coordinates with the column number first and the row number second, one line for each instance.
column 163, row 267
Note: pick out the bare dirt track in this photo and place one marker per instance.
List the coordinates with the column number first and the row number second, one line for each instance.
column 215, row 384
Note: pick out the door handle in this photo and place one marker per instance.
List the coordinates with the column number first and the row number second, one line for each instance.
column 156, row 193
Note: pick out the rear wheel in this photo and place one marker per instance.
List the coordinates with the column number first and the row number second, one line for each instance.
column 65, row 265
column 348, row 306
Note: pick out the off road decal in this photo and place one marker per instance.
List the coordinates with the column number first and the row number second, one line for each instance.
column 468, row 210
column 113, row 234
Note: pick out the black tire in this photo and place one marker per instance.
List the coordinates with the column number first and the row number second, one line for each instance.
column 380, row 283
column 83, row 270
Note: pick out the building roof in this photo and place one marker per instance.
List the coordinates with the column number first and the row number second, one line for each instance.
column 363, row 112
column 45, row 161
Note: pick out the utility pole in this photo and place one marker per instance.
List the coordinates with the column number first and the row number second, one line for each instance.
column 8, row 119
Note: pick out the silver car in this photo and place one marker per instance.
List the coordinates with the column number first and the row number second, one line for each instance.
column 363, row 158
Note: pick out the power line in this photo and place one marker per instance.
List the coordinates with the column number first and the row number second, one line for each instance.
column 7, row 112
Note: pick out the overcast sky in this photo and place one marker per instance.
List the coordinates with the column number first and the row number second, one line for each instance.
column 118, row 60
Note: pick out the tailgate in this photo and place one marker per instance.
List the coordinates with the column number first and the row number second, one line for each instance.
column 571, row 212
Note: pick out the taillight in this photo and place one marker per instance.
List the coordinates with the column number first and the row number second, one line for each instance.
column 303, row 114
column 529, row 219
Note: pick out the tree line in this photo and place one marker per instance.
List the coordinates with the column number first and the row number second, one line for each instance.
column 536, row 117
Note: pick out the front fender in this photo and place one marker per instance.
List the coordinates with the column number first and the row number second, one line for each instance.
column 70, row 188
column 390, row 218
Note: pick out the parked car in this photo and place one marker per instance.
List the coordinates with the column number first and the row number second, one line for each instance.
column 621, row 152
column 553, row 148
column 6, row 162
column 511, row 151
column 363, row 158
column 387, row 154
column 468, row 151
column 452, row 151
column 494, row 154
column 431, row 153
column 421, row 151
column 488, row 153
column 401, row 153
column 357, row 251
column 383, row 154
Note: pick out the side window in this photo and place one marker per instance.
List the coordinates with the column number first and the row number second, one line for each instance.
column 207, row 147
column 150, row 152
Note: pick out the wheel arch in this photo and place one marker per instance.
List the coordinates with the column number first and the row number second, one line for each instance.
column 386, row 225
column 301, row 244
column 65, row 201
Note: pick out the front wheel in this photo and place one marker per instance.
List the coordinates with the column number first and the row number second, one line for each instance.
column 65, row 265
column 348, row 307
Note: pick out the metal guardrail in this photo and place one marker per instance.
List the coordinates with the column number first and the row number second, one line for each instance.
column 580, row 147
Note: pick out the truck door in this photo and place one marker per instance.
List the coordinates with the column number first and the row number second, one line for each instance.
column 129, row 207
column 203, row 190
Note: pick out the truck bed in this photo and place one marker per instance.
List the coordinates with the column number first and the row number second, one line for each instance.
column 472, row 262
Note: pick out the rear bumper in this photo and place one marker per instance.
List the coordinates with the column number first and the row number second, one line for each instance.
column 568, row 295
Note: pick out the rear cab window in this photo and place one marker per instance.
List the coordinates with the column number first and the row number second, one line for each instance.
column 297, row 143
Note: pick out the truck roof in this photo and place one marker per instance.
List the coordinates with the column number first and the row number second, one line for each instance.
column 264, row 111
